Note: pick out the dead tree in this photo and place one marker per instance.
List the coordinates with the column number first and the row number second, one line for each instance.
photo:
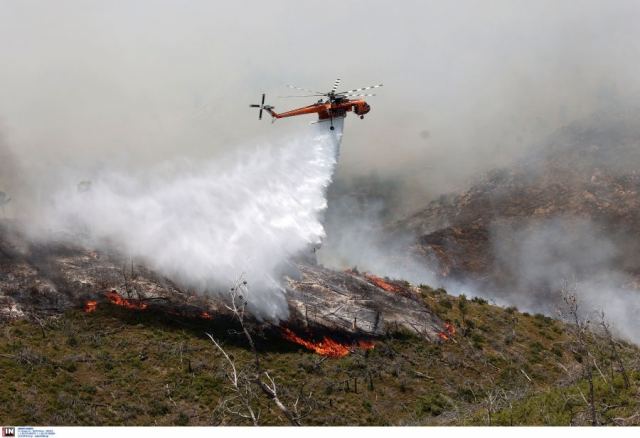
column 615, row 355
column 581, row 346
column 243, row 383
column 129, row 282
column 242, row 403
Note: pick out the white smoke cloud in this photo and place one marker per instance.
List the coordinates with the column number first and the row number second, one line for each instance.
column 205, row 224
column 357, row 238
column 538, row 258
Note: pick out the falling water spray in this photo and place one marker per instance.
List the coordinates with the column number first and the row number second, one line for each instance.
column 206, row 224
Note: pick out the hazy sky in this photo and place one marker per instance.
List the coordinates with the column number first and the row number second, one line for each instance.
column 468, row 84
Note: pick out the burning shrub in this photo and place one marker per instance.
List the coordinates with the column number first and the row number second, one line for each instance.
column 90, row 306
column 118, row 300
column 382, row 283
column 448, row 332
column 325, row 347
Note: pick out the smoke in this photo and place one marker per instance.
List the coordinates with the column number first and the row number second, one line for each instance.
column 206, row 224
column 356, row 235
column 12, row 178
column 537, row 258
column 467, row 86
column 356, row 239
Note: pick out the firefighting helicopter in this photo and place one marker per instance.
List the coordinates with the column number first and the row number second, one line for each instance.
column 332, row 104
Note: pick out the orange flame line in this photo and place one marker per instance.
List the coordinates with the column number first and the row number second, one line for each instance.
column 115, row 298
column 382, row 284
column 326, row 347
column 118, row 300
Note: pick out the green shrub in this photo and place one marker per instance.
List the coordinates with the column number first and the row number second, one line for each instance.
column 477, row 340
column 158, row 408
column 425, row 289
column 182, row 419
column 557, row 350
column 465, row 394
column 432, row 404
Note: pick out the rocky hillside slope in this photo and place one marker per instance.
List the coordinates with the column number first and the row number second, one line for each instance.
column 589, row 172
column 90, row 340
column 51, row 277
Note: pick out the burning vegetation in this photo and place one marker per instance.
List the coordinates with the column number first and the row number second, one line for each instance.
column 118, row 300
column 326, row 347
column 380, row 282
column 448, row 332
column 128, row 303
column 90, row 306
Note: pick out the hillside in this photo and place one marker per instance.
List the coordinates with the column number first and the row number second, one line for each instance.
column 92, row 338
column 132, row 349
column 569, row 210
column 120, row 366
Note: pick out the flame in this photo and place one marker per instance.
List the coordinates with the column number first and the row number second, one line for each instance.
column 448, row 332
column 450, row 328
column 90, row 306
column 382, row 284
column 375, row 280
column 118, row 300
column 326, row 347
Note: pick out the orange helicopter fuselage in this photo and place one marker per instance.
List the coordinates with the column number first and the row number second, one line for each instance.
column 327, row 110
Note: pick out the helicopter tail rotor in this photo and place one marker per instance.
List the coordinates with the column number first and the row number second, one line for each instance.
column 261, row 106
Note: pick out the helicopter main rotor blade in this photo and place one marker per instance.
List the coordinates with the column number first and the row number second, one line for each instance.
column 308, row 95
column 305, row 89
column 335, row 85
column 360, row 89
column 358, row 95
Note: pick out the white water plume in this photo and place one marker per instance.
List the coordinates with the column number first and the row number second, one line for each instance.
column 205, row 224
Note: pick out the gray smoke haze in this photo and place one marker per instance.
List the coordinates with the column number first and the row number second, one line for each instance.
column 468, row 86
column 539, row 257
column 356, row 239
column 12, row 179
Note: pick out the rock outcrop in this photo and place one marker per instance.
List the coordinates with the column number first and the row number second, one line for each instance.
column 41, row 278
